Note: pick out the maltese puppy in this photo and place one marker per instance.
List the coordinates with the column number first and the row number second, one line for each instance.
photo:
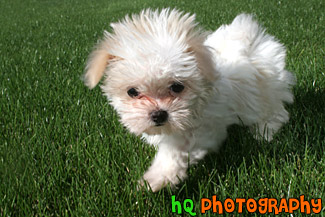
column 180, row 87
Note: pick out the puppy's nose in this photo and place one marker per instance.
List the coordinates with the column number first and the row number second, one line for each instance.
column 159, row 117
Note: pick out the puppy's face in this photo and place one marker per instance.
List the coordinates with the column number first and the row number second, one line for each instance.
column 158, row 72
column 155, row 95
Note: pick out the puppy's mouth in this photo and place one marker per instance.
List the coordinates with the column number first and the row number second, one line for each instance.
column 159, row 125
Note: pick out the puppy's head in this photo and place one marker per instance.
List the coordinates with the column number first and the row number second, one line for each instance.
column 158, row 73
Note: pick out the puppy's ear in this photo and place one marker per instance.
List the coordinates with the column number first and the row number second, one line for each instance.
column 205, row 63
column 96, row 64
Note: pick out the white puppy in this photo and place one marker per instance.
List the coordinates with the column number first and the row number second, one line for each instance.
column 180, row 87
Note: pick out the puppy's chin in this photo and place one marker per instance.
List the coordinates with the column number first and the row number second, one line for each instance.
column 158, row 130
column 150, row 129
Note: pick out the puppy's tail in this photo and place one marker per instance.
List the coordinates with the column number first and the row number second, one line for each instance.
column 96, row 64
column 253, row 64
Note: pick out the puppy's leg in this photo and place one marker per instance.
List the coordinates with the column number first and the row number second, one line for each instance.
column 266, row 128
column 170, row 166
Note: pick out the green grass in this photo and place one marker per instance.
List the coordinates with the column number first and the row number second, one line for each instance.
column 64, row 153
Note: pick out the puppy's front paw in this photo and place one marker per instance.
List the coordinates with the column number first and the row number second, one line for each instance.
column 156, row 179
column 152, row 180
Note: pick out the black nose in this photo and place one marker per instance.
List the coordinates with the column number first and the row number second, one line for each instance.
column 159, row 117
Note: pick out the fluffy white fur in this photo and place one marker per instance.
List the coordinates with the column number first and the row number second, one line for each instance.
column 232, row 76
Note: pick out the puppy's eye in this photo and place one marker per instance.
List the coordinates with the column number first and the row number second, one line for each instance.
column 132, row 92
column 177, row 87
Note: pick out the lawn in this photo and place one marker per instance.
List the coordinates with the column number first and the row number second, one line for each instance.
column 64, row 153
